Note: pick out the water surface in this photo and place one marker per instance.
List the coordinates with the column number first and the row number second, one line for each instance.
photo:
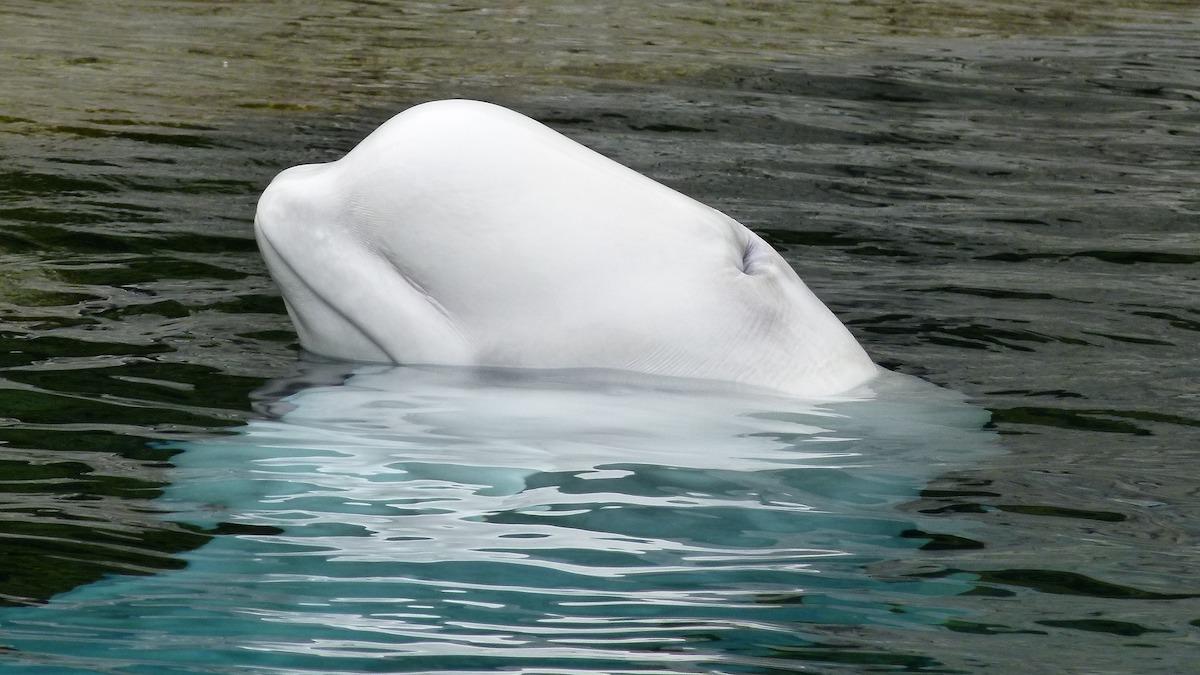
column 1003, row 203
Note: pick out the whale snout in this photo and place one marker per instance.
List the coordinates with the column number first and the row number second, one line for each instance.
column 290, row 201
column 295, row 228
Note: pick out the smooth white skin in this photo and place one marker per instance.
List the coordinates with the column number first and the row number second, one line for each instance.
column 463, row 233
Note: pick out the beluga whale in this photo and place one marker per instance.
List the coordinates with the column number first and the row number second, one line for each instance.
column 463, row 233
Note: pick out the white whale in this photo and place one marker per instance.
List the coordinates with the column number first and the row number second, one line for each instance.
column 463, row 233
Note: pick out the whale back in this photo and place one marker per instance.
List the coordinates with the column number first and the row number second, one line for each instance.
column 463, row 233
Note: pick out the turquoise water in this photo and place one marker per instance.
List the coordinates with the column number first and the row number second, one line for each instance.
column 1001, row 201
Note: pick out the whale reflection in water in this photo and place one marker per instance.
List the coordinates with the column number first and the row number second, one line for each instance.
column 491, row 517
column 490, row 433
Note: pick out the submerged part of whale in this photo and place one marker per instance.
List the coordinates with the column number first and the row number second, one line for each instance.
column 463, row 233
column 479, row 519
column 375, row 433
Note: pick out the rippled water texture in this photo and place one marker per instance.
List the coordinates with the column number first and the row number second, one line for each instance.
column 420, row 520
column 1001, row 200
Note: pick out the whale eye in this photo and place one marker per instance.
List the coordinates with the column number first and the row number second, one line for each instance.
column 751, row 253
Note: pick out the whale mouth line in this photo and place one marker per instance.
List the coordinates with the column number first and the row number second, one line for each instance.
column 287, row 265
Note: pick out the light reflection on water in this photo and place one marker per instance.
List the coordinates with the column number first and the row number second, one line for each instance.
column 1009, row 217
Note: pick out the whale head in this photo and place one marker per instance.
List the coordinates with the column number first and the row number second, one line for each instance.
column 463, row 233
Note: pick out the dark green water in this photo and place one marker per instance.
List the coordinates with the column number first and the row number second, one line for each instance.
column 1014, row 218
